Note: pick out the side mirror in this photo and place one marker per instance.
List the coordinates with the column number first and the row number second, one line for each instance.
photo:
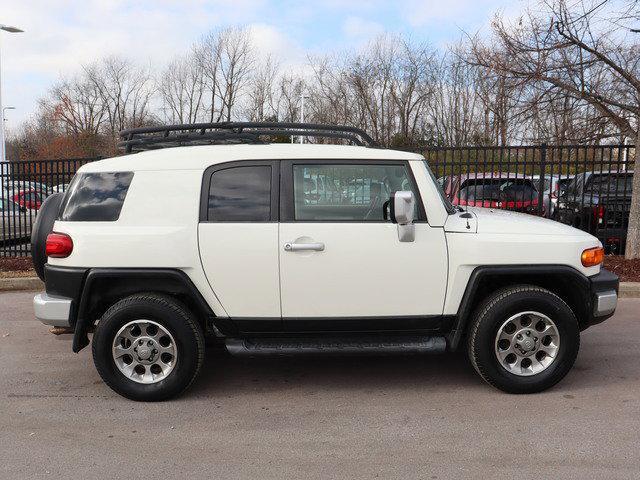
column 401, row 207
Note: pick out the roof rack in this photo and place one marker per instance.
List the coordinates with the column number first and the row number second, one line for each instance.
column 149, row 138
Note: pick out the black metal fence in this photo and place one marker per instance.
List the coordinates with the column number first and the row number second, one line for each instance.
column 588, row 187
column 25, row 185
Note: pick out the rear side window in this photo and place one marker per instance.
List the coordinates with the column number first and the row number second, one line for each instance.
column 240, row 194
column 95, row 197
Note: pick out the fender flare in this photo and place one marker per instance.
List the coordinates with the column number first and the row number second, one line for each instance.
column 465, row 309
column 170, row 281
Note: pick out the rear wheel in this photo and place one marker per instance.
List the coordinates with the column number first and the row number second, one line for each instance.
column 524, row 339
column 148, row 347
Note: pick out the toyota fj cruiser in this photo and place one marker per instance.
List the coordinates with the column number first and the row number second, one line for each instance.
column 283, row 249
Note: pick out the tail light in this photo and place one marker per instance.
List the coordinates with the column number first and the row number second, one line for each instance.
column 598, row 214
column 59, row 245
column 556, row 191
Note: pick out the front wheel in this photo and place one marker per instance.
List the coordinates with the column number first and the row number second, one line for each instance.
column 524, row 339
column 148, row 347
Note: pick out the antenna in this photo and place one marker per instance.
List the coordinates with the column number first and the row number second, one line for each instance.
column 466, row 215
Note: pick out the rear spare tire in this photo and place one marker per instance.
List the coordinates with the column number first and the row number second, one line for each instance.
column 45, row 218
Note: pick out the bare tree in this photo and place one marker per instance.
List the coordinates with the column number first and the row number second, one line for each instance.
column 261, row 92
column 384, row 88
column 453, row 111
column 580, row 50
column 330, row 98
column 125, row 91
column 182, row 90
column 227, row 58
column 414, row 85
column 207, row 53
column 75, row 105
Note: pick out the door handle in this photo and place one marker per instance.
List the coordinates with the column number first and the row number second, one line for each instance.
column 299, row 247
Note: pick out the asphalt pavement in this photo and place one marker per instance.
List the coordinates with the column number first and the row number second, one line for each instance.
column 374, row 417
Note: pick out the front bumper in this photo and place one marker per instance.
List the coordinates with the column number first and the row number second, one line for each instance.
column 605, row 303
column 52, row 310
column 604, row 296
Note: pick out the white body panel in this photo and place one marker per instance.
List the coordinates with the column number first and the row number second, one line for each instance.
column 157, row 228
column 363, row 271
column 241, row 264
column 510, row 238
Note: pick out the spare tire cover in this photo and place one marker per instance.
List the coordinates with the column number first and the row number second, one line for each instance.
column 45, row 218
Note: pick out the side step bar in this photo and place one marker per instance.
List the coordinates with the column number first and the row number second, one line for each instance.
column 342, row 345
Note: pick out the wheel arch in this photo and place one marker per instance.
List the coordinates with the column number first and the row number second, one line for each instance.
column 102, row 287
column 566, row 282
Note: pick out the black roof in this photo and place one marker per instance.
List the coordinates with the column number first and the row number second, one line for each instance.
column 148, row 138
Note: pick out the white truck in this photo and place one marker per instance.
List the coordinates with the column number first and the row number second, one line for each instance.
column 285, row 249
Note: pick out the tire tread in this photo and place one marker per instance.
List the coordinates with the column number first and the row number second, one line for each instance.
column 483, row 310
column 165, row 302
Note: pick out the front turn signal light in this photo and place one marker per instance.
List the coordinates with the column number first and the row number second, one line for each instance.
column 592, row 256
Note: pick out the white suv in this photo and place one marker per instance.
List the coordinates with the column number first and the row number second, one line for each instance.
column 276, row 248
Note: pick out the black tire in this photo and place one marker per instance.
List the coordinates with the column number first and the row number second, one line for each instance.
column 45, row 218
column 174, row 317
column 499, row 307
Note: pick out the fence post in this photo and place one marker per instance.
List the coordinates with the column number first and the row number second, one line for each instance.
column 543, row 166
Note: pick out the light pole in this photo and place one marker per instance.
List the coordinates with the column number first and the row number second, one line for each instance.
column 3, row 157
column 302, row 97
column 4, row 109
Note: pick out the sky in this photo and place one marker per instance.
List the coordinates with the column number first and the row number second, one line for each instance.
column 61, row 35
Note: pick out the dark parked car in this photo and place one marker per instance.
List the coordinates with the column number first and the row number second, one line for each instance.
column 599, row 203
column 508, row 191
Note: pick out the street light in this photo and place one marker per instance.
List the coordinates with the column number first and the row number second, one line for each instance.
column 3, row 158
column 302, row 99
column 4, row 109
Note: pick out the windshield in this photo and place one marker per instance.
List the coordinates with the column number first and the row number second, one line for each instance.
column 520, row 192
column 547, row 184
column 600, row 183
column 609, row 183
column 563, row 185
column 497, row 189
column 478, row 191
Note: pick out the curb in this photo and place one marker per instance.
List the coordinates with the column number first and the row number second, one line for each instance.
column 627, row 289
column 20, row 283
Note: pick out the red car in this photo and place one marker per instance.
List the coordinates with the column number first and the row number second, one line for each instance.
column 505, row 191
column 29, row 199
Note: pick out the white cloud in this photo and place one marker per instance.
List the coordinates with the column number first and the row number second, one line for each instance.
column 360, row 29
column 269, row 41
column 420, row 13
column 62, row 35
